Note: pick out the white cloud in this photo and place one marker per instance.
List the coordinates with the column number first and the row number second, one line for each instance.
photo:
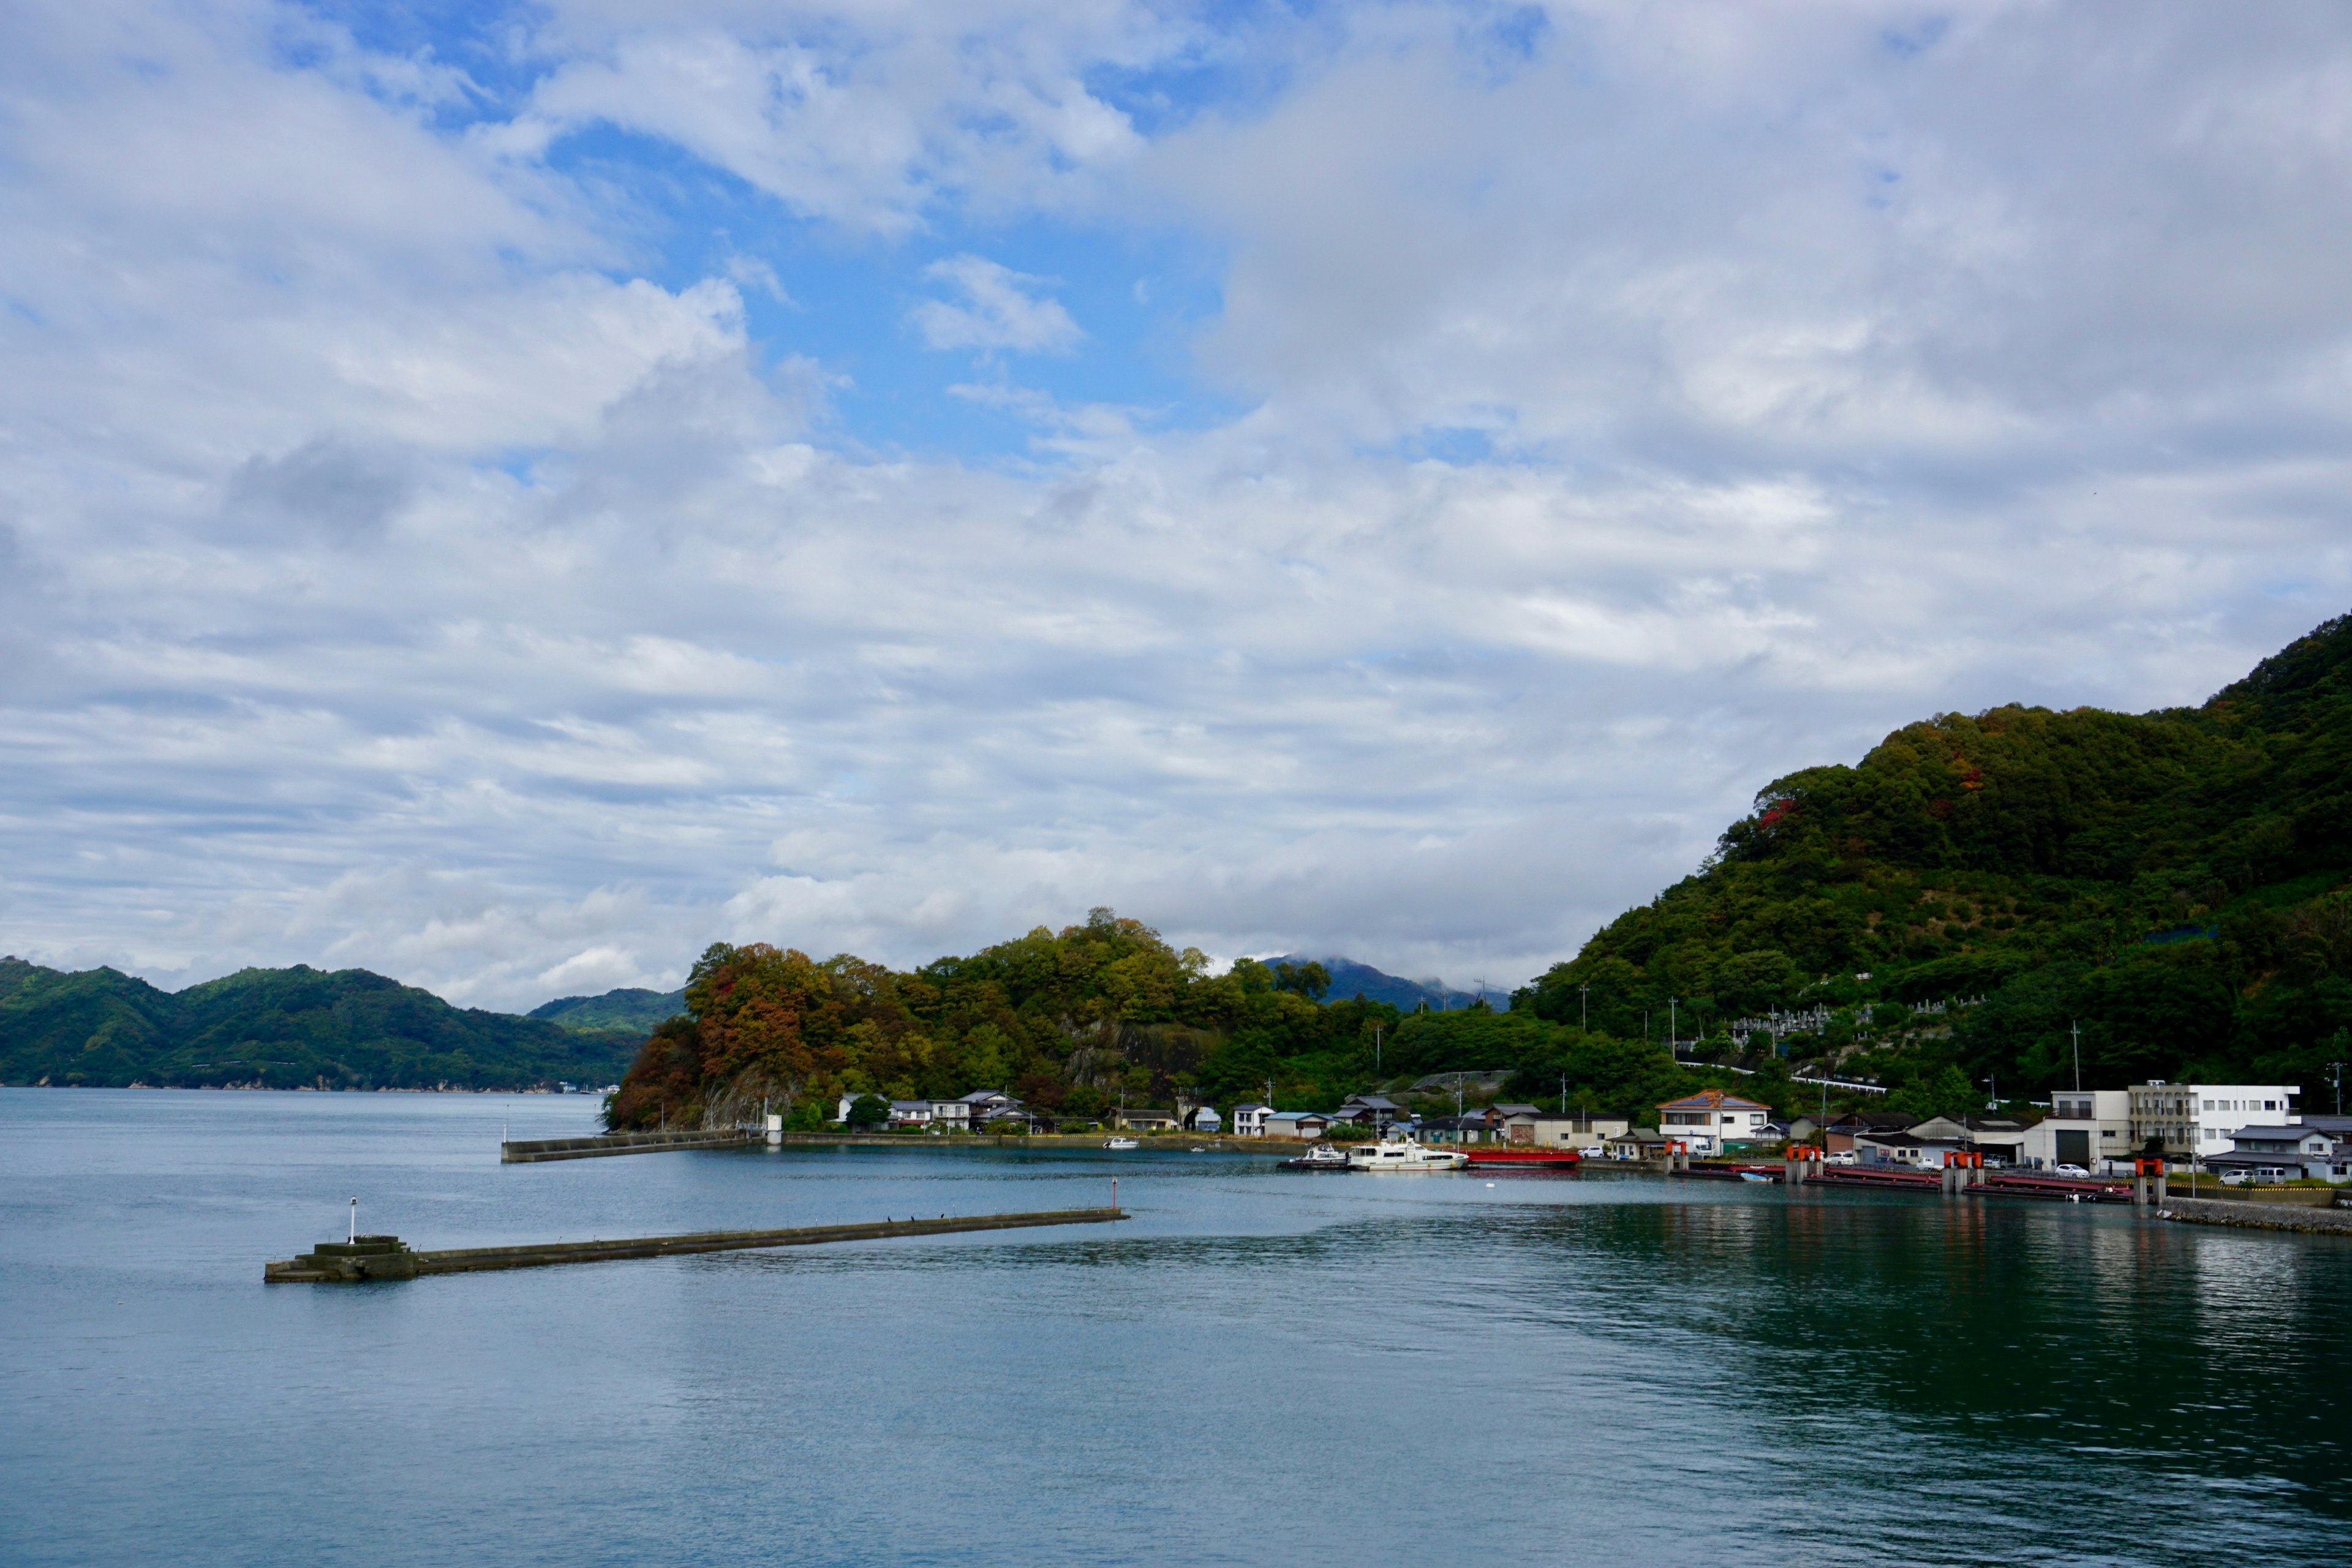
column 997, row 311
column 394, row 576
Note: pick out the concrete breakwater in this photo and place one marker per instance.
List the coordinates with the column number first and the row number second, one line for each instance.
column 532, row 1150
column 375, row 1258
column 589, row 1147
column 2259, row 1216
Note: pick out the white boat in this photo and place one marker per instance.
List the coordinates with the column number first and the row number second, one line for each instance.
column 1404, row 1154
column 1122, row 1143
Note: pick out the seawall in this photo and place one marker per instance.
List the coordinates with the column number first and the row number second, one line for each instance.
column 2258, row 1216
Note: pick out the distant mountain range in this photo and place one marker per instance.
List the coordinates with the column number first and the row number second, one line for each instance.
column 284, row 1028
column 1350, row 978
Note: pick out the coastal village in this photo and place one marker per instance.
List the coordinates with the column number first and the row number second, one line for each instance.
column 2242, row 1135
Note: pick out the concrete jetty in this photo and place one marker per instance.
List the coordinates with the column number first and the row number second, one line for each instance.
column 532, row 1150
column 373, row 1258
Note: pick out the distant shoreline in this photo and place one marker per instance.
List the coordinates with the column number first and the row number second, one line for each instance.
column 296, row 1088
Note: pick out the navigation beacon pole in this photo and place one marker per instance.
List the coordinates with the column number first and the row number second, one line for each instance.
column 355, row 1219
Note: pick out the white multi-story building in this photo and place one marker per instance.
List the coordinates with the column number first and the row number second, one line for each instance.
column 1249, row 1119
column 2199, row 1118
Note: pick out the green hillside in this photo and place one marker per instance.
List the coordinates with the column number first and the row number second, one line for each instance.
column 281, row 1028
column 629, row 1010
column 1072, row 1020
column 2173, row 882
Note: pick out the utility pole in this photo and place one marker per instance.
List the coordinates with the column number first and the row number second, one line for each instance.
column 1583, row 1009
column 1674, row 1026
column 2336, row 1078
column 1993, row 1085
column 1563, row 1094
column 2076, row 1030
column 1375, row 1050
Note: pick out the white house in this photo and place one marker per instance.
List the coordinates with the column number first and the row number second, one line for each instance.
column 911, row 1113
column 2200, row 1117
column 1203, row 1119
column 981, row 1103
column 1703, row 1123
column 955, row 1115
column 1249, row 1119
column 2280, row 1153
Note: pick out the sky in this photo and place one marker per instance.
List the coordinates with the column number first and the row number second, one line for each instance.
column 506, row 496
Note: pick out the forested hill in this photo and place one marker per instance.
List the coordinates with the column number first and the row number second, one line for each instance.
column 631, row 1011
column 2174, row 881
column 280, row 1028
column 1072, row 1021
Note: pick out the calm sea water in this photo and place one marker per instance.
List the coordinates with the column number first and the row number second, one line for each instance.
column 1261, row 1368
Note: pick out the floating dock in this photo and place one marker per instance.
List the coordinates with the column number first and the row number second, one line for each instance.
column 374, row 1258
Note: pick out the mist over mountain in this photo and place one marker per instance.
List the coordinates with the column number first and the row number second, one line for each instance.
column 1350, row 978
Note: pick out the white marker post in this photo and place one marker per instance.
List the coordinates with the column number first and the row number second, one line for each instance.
column 355, row 1219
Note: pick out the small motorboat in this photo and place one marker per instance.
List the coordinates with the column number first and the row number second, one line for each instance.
column 1754, row 1177
column 1198, row 1150
column 1122, row 1143
column 1322, row 1157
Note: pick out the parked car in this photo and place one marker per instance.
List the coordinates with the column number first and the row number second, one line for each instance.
column 2069, row 1170
column 1843, row 1157
column 2233, row 1178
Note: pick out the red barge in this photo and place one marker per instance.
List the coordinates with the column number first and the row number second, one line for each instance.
column 1505, row 1156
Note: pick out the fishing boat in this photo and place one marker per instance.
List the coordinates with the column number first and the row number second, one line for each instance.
column 1408, row 1154
column 1122, row 1143
column 1322, row 1157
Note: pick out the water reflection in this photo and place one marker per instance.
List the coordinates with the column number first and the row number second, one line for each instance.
column 1259, row 1366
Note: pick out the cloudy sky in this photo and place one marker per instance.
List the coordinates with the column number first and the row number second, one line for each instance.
column 505, row 497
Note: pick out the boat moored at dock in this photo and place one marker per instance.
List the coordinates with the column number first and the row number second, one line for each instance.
column 1405, row 1154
